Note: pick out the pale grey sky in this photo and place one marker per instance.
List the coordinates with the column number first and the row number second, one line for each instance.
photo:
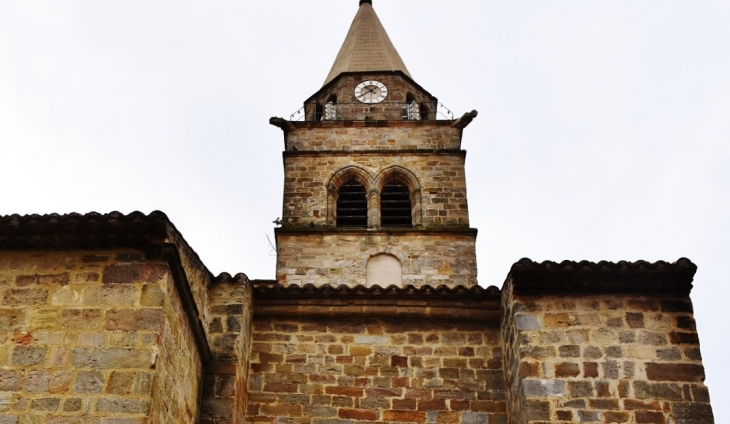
column 603, row 128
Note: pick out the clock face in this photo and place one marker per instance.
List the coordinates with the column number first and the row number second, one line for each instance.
column 371, row 92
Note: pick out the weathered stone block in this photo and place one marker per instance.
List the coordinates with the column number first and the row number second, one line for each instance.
column 661, row 391
column 536, row 410
column 675, row 372
column 72, row 405
column 567, row 369
column 11, row 380
column 12, row 320
column 82, row 319
column 358, row 414
column 122, row 405
column 60, row 381
column 543, row 388
column 25, row 297
column 651, row 417
column 121, row 358
column 526, row 322
column 134, row 319
column 109, row 295
column 48, row 404
column 581, row 389
column 29, row 355
column 87, row 382
column 692, row 413
column 133, row 273
column 37, row 381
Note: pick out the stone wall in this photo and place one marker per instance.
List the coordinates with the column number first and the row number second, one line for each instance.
column 603, row 358
column 438, row 178
column 348, row 370
column 427, row 258
column 350, row 108
column 226, row 379
column 197, row 276
column 365, row 136
column 94, row 336
column 179, row 368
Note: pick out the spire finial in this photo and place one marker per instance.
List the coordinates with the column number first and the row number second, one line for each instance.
column 370, row 2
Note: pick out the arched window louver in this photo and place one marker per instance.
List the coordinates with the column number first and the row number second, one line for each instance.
column 352, row 205
column 395, row 205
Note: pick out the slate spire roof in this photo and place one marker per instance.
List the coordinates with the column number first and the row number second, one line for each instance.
column 367, row 47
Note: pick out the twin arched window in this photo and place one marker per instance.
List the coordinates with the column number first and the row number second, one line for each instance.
column 352, row 204
column 395, row 205
column 391, row 201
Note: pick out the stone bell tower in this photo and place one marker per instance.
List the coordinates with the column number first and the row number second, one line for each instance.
column 374, row 182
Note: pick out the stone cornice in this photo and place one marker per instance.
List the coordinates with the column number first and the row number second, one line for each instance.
column 382, row 231
column 442, row 302
column 413, row 152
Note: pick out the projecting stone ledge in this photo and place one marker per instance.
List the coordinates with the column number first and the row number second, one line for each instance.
column 282, row 123
column 465, row 120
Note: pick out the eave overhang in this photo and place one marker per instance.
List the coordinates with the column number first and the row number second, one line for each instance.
column 568, row 277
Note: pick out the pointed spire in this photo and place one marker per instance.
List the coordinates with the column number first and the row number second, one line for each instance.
column 367, row 47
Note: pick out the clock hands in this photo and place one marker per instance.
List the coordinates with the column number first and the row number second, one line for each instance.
column 370, row 92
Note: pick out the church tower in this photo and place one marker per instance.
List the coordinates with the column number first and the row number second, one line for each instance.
column 374, row 181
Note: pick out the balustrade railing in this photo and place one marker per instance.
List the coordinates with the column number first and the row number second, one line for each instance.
column 389, row 111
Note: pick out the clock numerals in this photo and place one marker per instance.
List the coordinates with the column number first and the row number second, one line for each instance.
column 371, row 92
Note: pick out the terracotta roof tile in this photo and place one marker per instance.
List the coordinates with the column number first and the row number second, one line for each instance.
column 268, row 288
column 530, row 277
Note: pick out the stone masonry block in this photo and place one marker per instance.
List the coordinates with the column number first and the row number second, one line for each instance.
column 675, row 372
column 692, row 413
column 11, row 380
column 12, row 319
column 25, row 297
column 89, row 382
column 543, row 388
column 122, row 405
column 29, row 355
column 108, row 358
column 527, row 322
column 133, row 273
column 46, row 404
column 134, row 319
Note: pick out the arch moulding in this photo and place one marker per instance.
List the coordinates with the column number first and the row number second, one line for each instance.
column 337, row 179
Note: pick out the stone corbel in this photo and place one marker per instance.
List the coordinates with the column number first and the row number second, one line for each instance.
column 465, row 120
column 282, row 123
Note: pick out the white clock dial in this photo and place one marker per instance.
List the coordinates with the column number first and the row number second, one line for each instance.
column 371, row 92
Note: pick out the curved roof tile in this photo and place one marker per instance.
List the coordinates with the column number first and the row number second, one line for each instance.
column 529, row 276
column 267, row 289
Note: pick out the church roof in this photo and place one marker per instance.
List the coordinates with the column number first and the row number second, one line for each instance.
column 367, row 47
column 604, row 277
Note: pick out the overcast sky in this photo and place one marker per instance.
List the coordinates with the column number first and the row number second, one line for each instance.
column 603, row 128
